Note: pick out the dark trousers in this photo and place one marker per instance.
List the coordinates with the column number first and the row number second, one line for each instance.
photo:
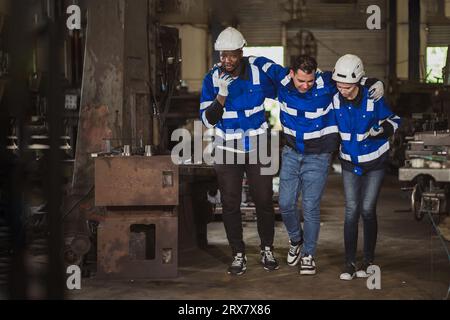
column 230, row 178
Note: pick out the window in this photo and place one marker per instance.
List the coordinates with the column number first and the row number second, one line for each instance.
column 273, row 53
column 436, row 59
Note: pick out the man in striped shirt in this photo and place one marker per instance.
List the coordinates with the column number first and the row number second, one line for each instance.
column 231, row 102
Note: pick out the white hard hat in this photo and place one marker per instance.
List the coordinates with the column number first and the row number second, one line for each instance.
column 229, row 39
column 348, row 69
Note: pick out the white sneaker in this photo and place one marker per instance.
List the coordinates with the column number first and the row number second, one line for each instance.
column 348, row 273
column 293, row 256
column 362, row 270
column 307, row 265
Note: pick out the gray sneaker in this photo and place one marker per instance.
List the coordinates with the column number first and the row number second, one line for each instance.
column 268, row 260
column 239, row 265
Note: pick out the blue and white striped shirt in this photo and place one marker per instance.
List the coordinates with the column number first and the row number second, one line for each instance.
column 244, row 113
column 354, row 120
column 307, row 118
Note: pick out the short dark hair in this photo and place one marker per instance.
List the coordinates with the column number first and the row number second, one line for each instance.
column 305, row 63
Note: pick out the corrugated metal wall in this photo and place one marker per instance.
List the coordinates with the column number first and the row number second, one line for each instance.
column 347, row 14
column 260, row 22
column 369, row 45
column 438, row 25
column 339, row 28
column 439, row 35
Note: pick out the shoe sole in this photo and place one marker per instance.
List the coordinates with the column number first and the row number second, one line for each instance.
column 237, row 274
column 362, row 274
column 271, row 269
column 308, row 272
column 346, row 279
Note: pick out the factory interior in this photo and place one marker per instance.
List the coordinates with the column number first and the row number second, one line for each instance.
column 95, row 96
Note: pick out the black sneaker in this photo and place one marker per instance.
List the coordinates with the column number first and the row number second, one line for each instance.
column 293, row 256
column 348, row 273
column 239, row 265
column 307, row 265
column 268, row 260
column 362, row 270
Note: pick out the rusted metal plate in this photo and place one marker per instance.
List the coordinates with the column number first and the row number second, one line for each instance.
column 93, row 128
column 136, row 181
column 126, row 250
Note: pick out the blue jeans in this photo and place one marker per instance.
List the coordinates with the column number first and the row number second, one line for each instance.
column 361, row 194
column 304, row 174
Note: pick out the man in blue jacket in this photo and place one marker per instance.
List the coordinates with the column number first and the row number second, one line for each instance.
column 311, row 135
column 364, row 126
column 231, row 102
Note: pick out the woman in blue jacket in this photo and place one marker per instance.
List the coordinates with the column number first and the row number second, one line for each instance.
column 364, row 127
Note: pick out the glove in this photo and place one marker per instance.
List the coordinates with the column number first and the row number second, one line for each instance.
column 224, row 81
column 375, row 131
column 376, row 91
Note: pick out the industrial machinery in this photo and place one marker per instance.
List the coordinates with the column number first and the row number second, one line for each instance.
column 122, row 108
column 427, row 168
column 138, row 233
column 153, row 208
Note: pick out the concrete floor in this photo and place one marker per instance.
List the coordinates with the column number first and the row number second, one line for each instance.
column 413, row 262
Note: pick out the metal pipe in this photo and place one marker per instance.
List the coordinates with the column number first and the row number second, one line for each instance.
column 392, row 40
column 414, row 40
column 55, row 282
